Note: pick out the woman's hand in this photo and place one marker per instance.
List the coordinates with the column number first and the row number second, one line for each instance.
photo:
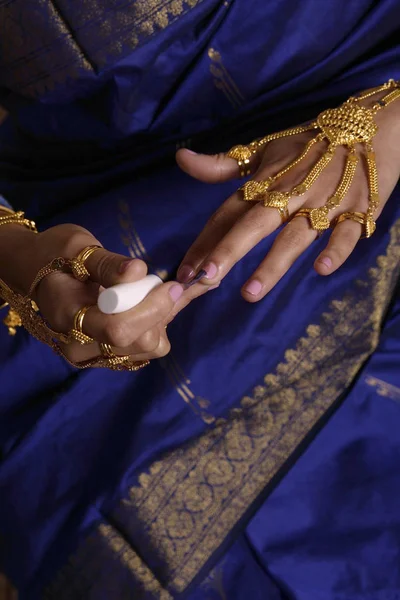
column 238, row 226
column 139, row 332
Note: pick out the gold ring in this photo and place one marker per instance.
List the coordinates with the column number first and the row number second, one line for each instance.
column 242, row 154
column 367, row 222
column 254, row 191
column 76, row 334
column 317, row 218
column 79, row 271
column 120, row 363
column 279, row 200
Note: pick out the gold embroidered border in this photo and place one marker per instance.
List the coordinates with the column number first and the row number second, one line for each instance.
column 74, row 39
column 189, row 501
column 107, row 566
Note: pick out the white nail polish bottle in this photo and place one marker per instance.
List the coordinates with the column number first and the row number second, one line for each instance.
column 124, row 296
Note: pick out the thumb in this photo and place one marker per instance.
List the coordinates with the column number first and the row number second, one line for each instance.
column 108, row 268
column 209, row 168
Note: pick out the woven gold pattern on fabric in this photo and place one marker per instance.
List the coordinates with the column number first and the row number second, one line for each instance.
column 383, row 388
column 33, row 60
column 187, row 503
column 74, row 39
column 223, row 80
column 106, row 565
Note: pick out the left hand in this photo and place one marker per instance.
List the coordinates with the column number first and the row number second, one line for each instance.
column 237, row 226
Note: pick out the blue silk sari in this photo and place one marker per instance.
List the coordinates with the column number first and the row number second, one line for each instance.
column 261, row 457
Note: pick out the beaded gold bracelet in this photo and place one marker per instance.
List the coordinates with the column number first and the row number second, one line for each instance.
column 17, row 218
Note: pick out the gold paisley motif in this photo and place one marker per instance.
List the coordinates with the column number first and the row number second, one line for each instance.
column 184, row 524
column 75, row 38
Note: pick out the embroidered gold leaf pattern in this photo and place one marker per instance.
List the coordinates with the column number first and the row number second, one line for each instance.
column 189, row 501
column 111, row 569
column 237, row 458
column 74, row 38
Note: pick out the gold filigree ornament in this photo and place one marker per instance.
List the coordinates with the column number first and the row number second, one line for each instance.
column 24, row 312
column 348, row 125
column 77, row 334
column 243, row 154
column 121, row 363
column 78, row 268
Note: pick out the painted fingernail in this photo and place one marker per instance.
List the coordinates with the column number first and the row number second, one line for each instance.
column 176, row 292
column 199, row 276
column 325, row 260
column 185, row 273
column 124, row 266
column 211, row 270
column 253, row 288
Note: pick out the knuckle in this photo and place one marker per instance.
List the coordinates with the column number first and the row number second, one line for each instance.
column 223, row 254
column 57, row 309
column 218, row 219
column 72, row 244
column 149, row 341
column 163, row 348
column 117, row 334
column 220, row 160
column 256, row 221
column 338, row 254
column 104, row 265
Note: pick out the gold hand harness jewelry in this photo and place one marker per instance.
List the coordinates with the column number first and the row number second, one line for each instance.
column 348, row 125
column 23, row 311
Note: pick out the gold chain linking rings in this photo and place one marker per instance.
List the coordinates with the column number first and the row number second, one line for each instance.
column 76, row 334
column 78, row 268
column 121, row 363
column 348, row 125
column 57, row 264
column 257, row 191
column 367, row 222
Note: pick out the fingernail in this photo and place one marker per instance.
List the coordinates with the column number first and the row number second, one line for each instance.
column 176, row 292
column 253, row 288
column 124, row 266
column 199, row 276
column 185, row 272
column 213, row 287
column 190, row 151
column 326, row 261
column 211, row 270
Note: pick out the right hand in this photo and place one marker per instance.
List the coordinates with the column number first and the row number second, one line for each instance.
column 139, row 332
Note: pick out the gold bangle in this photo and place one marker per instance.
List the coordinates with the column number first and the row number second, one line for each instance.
column 79, row 271
column 76, row 334
column 18, row 218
